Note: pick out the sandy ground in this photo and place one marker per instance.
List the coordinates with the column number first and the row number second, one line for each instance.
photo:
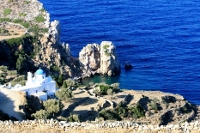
column 11, row 102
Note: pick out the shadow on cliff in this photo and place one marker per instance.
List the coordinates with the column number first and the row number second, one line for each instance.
column 7, row 109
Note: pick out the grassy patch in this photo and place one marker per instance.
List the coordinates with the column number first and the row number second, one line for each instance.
column 7, row 11
column 22, row 22
column 26, row 2
column 40, row 19
column 5, row 20
column 22, row 14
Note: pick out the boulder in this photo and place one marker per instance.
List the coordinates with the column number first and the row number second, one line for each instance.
column 127, row 65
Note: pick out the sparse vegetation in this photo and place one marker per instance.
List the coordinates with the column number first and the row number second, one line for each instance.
column 64, row 94
column 10, row 1
column 40, row 19
column 104, row 89
column 22, row 14
column 4, row 32
column 73, row 118
column 22, row 22
column 53, row 106
column 109, row 115
column 26, row 2
column 105, row 47
column 137, row 111
column 5, row 20
column 7, row 11
column 41, row 114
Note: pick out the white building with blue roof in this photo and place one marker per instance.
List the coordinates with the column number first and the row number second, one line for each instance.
column 38, row 85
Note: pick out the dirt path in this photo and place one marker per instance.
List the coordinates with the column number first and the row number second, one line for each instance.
column 18, row 33
column 15, row 30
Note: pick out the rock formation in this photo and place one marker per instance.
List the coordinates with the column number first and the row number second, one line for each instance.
column 56, row 55
column 99, row 59
column 48, row 52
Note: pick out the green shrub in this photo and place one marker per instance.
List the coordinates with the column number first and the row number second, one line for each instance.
column 104, row 88
column 22, row 14
column 42, row 10
column 53, row 106
column 44, row 30
column 22, row 22
column 105, row 47
column 73, row 118
column 25, row 24
column 4, row 68
column 41, row 114
column 109, row 115
column 5, row 20
column 26, row 2
column 40, row 19
column 137, row 111
column 154, row 106
column 187, row 108
column 64, row 94
column 17, row 21
column 122, row 110
column 21, row 64
column 15, row 41
column 7, row 11
column 69, row 83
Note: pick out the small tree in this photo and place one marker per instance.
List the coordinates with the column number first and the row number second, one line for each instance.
column 53, row 106
column 137, row 111
column 69, row 83
column 42, row 114
column 64, row 94
column 60, row 80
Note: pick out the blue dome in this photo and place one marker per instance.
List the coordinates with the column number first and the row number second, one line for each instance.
column 40, row 72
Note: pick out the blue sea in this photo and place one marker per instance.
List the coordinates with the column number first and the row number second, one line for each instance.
column 160, row 38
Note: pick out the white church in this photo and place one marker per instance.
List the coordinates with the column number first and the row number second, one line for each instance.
column 39, row 85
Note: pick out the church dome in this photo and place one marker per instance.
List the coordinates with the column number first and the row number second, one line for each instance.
column 40, row 72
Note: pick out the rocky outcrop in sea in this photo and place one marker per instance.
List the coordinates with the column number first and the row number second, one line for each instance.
column 99, row 59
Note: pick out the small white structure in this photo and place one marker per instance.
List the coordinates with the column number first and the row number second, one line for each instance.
column 39, row 85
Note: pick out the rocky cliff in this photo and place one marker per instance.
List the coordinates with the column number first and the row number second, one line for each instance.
column 41, row 46
column 99, row 59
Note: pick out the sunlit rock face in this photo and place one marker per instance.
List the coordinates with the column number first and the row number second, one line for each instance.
column 99, row 59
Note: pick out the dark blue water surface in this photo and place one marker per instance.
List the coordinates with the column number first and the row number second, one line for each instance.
column 160, row 38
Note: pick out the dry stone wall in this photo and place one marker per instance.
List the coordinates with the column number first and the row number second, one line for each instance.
column 105, row 126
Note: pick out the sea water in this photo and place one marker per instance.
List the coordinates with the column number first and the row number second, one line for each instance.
column 160, row 38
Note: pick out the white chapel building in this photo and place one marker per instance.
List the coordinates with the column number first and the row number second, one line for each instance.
column 38, row 85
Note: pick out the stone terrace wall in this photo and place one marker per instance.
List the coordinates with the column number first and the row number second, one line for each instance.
column 90, row 127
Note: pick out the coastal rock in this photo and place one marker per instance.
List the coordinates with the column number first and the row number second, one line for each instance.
column 99, row 59
column 109, row 64
column 128, row 66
